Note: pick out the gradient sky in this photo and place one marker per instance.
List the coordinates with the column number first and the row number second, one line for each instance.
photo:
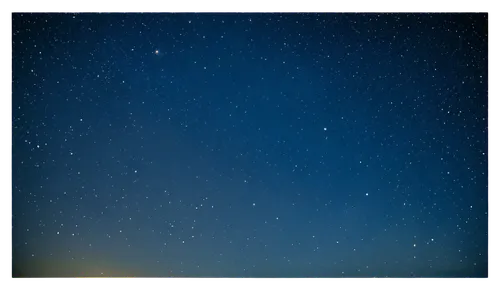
column 250, row 145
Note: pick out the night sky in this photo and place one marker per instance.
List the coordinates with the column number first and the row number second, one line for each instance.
column 250, row 145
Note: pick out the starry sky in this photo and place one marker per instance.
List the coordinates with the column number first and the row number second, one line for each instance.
column 250, row 145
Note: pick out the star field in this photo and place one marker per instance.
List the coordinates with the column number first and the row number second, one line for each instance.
column 250, row 145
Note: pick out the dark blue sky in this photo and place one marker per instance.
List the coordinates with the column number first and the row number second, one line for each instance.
column 250, row 145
